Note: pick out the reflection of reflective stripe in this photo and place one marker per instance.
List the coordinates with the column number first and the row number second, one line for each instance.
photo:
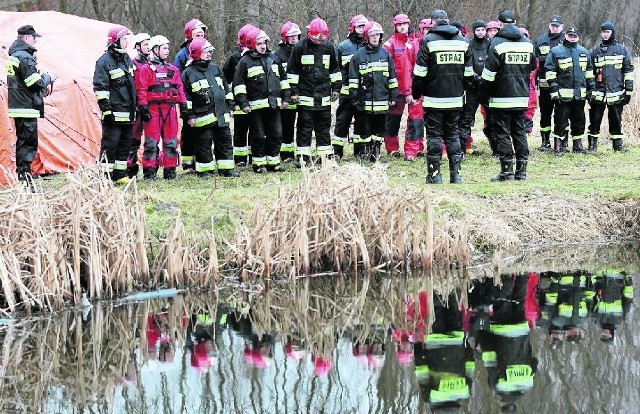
column 517, row 378
column 510, row 330
column 437, row 340
column 608, row 308
column 450, row 388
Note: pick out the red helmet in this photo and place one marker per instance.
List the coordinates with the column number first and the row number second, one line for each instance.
column 289, row 29
column 242, row 34
column 401, row 18
column 197, row 46
column 318, row 30
column 426, row 24
column 254, row 36
column 192, row 25
column 116, row 33
column 371, row 28
column 493, row 25
column 357, row 20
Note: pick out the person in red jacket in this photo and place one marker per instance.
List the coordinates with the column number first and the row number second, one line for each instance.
column 159, row 89
column 401, row 48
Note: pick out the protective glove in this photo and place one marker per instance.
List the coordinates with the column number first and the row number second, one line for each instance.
column 145, row 114
column 626, row 98
column 109, row 119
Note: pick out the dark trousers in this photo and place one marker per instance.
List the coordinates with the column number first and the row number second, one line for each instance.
column 136, row 138
column 26, row 144
column 220, row 138
column 187, row 146
column 241, row 148
column 546, row 106
column 288, row 119
column 115, row 146
column 510, row 134
column 310, row 121
column 614, row 113
column 344, row 115
column 442, row 125
column 569, row 112
column 266, row 137
column 468, row 117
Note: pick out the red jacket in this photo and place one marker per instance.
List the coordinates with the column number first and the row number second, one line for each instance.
column 401, row 48
column 159, row 83
column 533, row 95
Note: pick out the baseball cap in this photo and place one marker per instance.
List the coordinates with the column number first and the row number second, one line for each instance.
column 28, row 30
column 574, row 31
column 556, row 21
column 507, row 16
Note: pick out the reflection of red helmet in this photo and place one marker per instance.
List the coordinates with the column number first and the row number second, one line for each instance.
column 401, row 18
column 318, row 30
column 116, row 33
column 426, row 24
column 493, row 25
column 200, row 360
column 404, row 356
column 294, row 352
column 289, row 29
column 254, row 36
column 370, row 29
column 191, row 26
column 197, row 46
column 357, row 20
column 321, row 366
column 242, row 34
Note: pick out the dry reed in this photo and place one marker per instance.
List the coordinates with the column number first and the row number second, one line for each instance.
column 344, row 218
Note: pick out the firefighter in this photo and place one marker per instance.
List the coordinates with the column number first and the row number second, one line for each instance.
column 569, row 74
column 492, row 28
column 193, row 29
column 314, row 76
column 442, row 72
column 409, row 154
column 479, row 45
column 159, row 89
column 505, row 80
column 543, row 46
column 26, row 88
column 261, row 89
column 373, row 87
column 346, row 111
column 209, row 103
column 290, row 35
column 401, row 48
column 141, row 44
column 115, row 90
column 241, row 147
column 614, row 86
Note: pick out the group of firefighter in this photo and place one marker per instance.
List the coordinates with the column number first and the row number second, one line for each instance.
column 437, row 73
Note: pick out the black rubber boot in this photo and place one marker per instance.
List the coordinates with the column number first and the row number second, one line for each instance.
column 557, row 146
column 149, row 173
column 169, row 173
column 132, row 171
column 593, row 143
column 228, row 173
column 506, row 170
column 617, row 145
column 454, row 169
column 375, row 151
column 521, row 170
column 564, row 145
column 546, row 142
column 577, row 146
column 433, row 170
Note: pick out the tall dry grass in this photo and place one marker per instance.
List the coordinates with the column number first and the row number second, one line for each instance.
column 344, row 218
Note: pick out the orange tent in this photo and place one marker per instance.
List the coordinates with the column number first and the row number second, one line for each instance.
column 70, row 133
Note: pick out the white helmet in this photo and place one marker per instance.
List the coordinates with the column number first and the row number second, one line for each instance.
column 140, row 37
column 158, row 40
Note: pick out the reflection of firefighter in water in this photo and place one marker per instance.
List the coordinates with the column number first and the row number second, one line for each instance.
column 201, row 334
column 370, row 352
column 565, row 299
column 441, row 360
column 613, row 296
column 502, row 328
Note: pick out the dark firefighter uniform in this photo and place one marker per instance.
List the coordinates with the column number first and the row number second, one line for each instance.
column 443, row 67
column 288, row 114
column 506, row 81
column 613, row 70
column 138, row 126
column 241, row 122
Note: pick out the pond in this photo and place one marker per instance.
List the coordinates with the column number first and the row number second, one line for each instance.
column 529, row 341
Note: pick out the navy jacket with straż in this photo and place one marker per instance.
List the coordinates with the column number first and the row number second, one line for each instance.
column 313, row 73
column 346, row 49
column 26, row 85
column 209, row 98
column 569, row 72
column 443, row 70
column 260, row 82
column 114, row 86
column 507, row 70
column 372, row 80
column 613, row 70
column 544, row 44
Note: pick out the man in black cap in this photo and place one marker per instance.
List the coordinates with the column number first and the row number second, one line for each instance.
column 544, row 44
column 506, row 81
column 27, row 88
column 443, row 70
column 571, row 80
column 614, row 86
column 479, row 45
